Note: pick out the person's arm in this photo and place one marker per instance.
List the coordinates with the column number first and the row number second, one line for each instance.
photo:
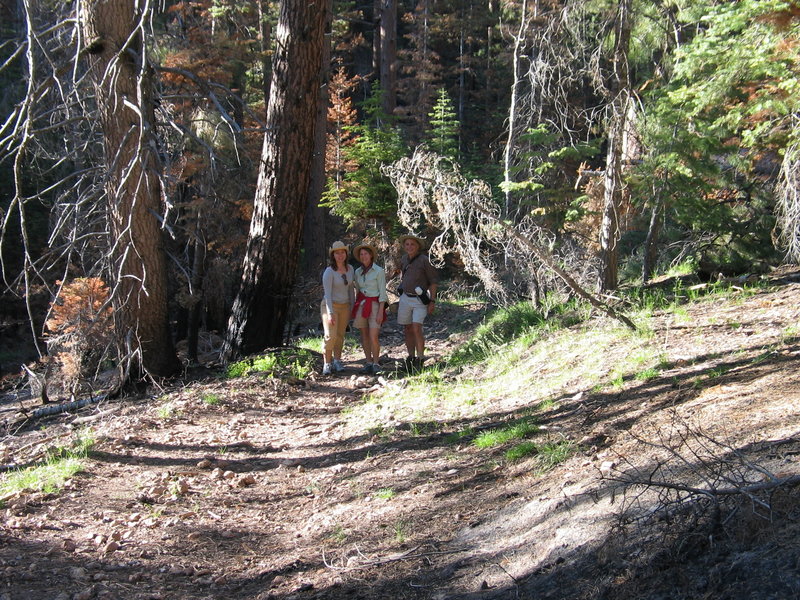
column 327, row 290
column 383, row 297
column 351, row 289
column 432, row 293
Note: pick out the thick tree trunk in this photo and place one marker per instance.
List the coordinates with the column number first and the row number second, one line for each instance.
column 621, row 95
column 261, row 307
column 115, row 47
column 314, row 236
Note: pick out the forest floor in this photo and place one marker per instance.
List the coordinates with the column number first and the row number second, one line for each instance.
column 680, row 481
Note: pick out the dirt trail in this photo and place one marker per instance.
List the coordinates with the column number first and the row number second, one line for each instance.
column 270, row 494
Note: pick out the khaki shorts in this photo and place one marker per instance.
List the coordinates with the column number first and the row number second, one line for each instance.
column 411, row 310
column 372, row 323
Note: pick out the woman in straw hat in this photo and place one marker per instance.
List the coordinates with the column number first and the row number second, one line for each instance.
column 369, row 310
column 337, row 302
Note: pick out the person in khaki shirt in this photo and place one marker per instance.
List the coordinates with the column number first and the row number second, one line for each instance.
column 418, row 297
column 369, row 310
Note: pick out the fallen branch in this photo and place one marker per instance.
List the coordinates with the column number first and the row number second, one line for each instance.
column 408, row 554
column 744, row 490
column 55, row 409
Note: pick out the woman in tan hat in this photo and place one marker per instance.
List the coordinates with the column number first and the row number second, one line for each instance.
column 369, row 310
column 337, row 302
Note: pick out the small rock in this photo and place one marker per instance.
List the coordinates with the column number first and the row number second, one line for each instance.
column 246, row 480
column 68, row 546
column 110, row 547
column 204, row 464
column 182, row 486
column 607, row 466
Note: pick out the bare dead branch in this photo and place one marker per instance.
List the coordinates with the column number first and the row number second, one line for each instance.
column 432, row 190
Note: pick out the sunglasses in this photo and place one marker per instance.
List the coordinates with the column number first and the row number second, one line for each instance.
column 344, row 278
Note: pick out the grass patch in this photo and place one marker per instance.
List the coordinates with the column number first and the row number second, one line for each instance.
column 502, row 326
column 521, row 451
column 60, row 464
column 385, row 494
column 648, row 374
column 211, row 399
column 292, row 362
column 316, row 343
column 547, row 454
column 166, row 410
column 400, row 531
column 338, row 534
column 503, row 435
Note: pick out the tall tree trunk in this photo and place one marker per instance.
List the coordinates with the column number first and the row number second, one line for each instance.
column 264, row 41
column 508, row 153
column 388, row 54
column 612, row 179
column 113, row 30
column 314, row 237
column 198, row 274
column 651, row 242
column 261, row 307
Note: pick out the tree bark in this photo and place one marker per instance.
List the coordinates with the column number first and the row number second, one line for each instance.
column 314, row 235
column 113, row 31
column 264, row 40
column 621, row 95
column 261, row 308
column 508, row 152
column 388, row 54
column 651, row 242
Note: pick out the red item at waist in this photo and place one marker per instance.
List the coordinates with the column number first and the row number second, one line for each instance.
column 365, row 302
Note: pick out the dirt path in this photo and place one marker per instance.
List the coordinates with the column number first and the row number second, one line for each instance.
column 268, row 493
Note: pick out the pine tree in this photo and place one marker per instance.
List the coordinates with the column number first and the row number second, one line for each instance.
column 365, row 193
column 443, row 137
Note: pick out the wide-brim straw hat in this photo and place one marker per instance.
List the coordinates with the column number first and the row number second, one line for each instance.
column 402, row 240
column 361, row 247
column 337, row 245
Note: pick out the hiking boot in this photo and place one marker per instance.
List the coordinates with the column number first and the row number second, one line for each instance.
column 408, row 363
column 338, row 367
column 376, row 368
column 367, row 370
column 326, row 369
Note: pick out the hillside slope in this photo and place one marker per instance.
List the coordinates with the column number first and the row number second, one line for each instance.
column 677, row 475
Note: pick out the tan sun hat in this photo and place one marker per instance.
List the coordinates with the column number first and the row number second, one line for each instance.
column 420, row 242
column 337, row 245
column 361, row 247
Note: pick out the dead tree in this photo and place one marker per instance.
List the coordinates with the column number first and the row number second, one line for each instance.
column 431, row 190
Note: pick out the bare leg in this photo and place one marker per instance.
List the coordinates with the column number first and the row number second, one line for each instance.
column 375, row 344
column 366, row 343
column 408, row 335
column 419, row 339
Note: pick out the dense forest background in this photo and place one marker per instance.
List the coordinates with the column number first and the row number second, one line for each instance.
column 545, row 147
